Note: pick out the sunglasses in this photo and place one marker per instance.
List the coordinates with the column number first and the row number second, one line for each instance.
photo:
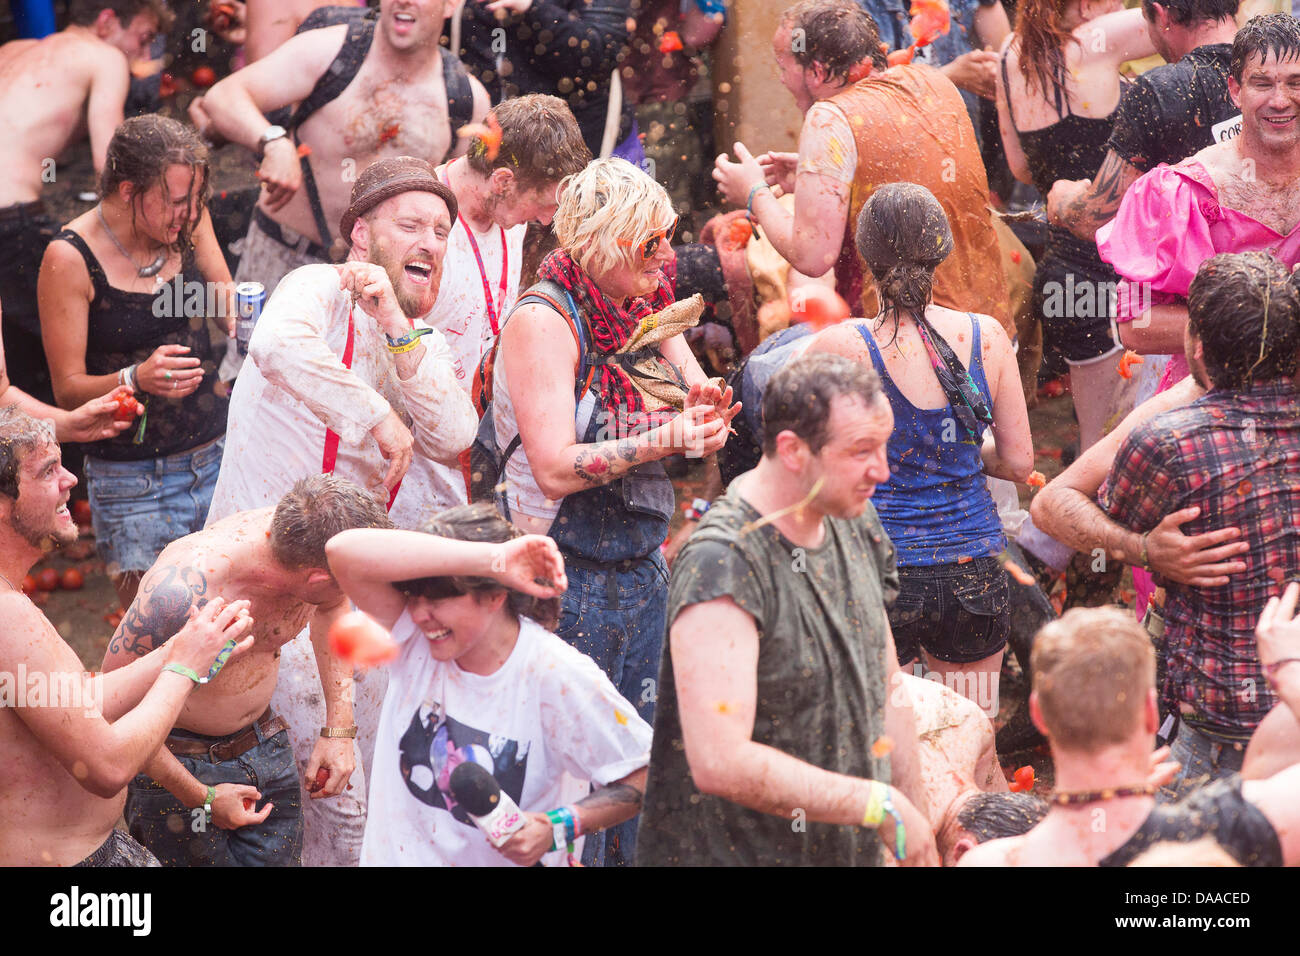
column 651, row 245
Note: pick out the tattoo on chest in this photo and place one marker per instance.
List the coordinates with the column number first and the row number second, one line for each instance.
column 161, row 609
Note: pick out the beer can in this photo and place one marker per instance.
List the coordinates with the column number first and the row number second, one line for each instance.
column 249, row 299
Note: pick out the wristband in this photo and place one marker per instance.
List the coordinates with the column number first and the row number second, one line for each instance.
column 900, row 832
column 1146, row 563
column 406, row 342
column 339, row 731
column 753, row 190
column 220, row 660
column 185, row 672
column 875, row 812
column 563, row 827
column 208, row 799
column 126, row 376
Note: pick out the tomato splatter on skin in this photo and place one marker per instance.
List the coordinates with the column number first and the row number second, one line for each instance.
column 389, row 133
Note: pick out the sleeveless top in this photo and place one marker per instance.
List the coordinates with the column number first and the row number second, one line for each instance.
column 931, row 142
column 124, row 328
column 936, row 504
column 1217, row 810
column 1071, row 148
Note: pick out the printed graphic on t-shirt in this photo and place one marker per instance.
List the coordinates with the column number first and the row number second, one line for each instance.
column 434, row 745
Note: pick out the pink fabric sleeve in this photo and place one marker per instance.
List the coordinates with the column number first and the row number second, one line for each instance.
column 1158, row 239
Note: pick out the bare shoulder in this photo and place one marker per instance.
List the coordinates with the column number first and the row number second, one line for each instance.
column 843, row 338
column 541, row 328
column 21, row 623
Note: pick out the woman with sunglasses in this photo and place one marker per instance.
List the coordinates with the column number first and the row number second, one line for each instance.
column 959, row 416
column 582, row 447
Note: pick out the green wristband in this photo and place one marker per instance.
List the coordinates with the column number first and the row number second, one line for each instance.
column 185, row 672
column 209, row 798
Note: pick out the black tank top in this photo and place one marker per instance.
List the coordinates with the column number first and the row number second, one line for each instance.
column 1071, row 148
column 1217, row 810
column 123, row 328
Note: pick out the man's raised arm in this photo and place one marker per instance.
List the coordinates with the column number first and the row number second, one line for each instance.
column 714, row 647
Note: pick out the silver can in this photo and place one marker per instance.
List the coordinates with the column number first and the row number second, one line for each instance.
column 249, row 299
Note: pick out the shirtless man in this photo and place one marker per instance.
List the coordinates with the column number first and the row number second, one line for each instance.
column 275, row 557
column 70, row 754
column 397, row 104
column 53, row 92
column 1094, row 698
column 1236, row 196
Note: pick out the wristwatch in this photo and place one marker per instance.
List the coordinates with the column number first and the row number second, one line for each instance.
column 270, row 134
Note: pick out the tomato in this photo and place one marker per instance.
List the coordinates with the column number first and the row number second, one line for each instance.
column 322, row 778
column 167, row 86
column 203, row 76
column 818, row 306
column 47, row 579
column 127, row 408
column 29, row 585
column 81, row 511
column 249, row 803
column 71, row 580
column 670, row 42
column 359, row 639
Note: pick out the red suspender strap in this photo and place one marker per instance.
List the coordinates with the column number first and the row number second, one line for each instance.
column 331, row 457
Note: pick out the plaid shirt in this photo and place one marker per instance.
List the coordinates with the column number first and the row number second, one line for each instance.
column 1236, row 455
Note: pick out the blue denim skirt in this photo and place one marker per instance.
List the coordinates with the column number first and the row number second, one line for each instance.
column 140, row 507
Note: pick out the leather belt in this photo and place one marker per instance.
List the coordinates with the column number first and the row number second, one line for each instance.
column 272, row 230
column 228, row 748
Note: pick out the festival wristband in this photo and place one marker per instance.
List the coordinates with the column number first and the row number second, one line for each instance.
column 697, row 509
column 875, row 813
column 209, row 798
column 406, row 342
column 185, row 672
column 1146, row 562
column 339, row 731
column 753, row 190
column 222, row 656
column 900, row 832
column 562, row 826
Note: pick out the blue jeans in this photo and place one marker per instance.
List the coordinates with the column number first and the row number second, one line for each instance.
column 1203, row 760
column 180, row 836
column 623, row 632
column 140, row 507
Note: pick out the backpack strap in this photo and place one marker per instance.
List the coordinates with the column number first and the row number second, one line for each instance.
column 552, row 294
column 460, row 95
column 336, row 78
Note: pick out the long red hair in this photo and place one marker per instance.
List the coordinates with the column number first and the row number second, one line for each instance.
column 1041, row 42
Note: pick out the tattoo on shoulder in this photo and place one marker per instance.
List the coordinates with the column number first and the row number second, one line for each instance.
column 160, row 610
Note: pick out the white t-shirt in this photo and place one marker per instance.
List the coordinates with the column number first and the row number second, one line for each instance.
column 546, row 724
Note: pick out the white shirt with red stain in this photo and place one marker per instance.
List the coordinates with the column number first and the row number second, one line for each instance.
column 295, row 386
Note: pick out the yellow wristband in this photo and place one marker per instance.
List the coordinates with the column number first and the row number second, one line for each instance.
column 875, row 813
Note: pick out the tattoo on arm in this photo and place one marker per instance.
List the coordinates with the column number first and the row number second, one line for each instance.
column 615, row 795
column 1097, row 205
column 593, row 465
column 627, row 449
column 160, row 610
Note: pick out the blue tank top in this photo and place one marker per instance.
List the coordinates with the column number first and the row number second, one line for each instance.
column 936, row 505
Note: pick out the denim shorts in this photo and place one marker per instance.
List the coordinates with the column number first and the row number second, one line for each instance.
column 140, row 507
column 959, row 613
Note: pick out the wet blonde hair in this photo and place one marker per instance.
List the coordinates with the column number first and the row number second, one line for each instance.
column 609, row 200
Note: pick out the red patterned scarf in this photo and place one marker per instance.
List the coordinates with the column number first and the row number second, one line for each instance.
column 611, row 326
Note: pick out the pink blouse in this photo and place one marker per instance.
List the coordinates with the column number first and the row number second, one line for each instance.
column 1169, row 222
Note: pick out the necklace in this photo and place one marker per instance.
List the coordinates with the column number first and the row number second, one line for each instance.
column 1075, row 797
column 144, row 272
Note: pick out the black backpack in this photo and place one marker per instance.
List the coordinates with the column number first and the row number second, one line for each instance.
column 342, row 71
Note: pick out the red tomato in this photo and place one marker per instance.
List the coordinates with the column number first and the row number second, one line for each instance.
column 203, row 76
column 322, row 778
column 71, row 580
column 359, row 639
column 249, row 803
column 167, row 86
column 818, row 306
column 47, row 579
column 127, row 408
column 670, row 42
column 81, row 511
column 29, row 585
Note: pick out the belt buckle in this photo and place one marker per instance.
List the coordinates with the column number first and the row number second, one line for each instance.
column 212, row 757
